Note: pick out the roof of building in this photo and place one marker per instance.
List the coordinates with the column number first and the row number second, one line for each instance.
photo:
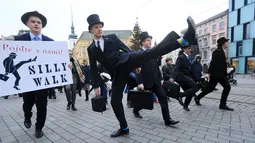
column 23, row 32
column 210, row 19
column 119, row 33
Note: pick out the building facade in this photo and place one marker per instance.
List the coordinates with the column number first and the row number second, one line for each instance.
column 241, row 35
column 80, row 48
column 208, row 31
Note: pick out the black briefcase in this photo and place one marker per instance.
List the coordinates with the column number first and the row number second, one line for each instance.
column 4, row 77
column 171, row 89
column 141, row 99
column 98, row 104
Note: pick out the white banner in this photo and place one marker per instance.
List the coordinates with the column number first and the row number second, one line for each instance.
column 33, row 65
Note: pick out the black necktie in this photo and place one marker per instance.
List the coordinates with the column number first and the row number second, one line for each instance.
column 98, row 45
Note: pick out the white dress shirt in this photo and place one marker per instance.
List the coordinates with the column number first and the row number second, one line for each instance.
column 101, row 43
column 32, row 36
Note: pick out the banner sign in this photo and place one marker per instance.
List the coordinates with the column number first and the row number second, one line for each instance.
column 33, row 65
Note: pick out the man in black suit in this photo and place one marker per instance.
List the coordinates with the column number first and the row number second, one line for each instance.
column 218, row 74
column 118, row 59
column 150, row 78
column 183, row 77
column 35, row 22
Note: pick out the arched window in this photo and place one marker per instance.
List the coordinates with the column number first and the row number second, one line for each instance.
column 205, row 42
column 205, row 54
column 200, row 43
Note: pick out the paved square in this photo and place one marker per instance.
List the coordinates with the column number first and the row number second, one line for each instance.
column 206, row 124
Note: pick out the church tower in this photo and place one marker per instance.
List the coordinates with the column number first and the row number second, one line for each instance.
column 72, row 38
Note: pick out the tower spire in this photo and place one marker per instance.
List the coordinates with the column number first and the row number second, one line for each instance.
column 72, row 35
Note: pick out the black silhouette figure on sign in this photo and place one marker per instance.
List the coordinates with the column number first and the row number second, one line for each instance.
column 11, row 68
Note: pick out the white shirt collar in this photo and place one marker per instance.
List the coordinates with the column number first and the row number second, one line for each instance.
column 145, row 48
column 32, row 36
column 101, row 42
column 186, row 54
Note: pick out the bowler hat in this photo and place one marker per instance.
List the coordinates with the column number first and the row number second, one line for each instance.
column 94, row 19
column 143, row 36
column 222, row 40
column 13, row 54
column 26, row 16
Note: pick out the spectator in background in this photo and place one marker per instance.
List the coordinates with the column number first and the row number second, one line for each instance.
column 86, row 69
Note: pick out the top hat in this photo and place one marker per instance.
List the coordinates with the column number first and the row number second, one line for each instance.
column 13, row 54
column 94, row 19
column 222, row 40
column 143, row 36
column 26, row 16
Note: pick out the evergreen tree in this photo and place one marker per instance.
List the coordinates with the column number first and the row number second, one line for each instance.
column 135, row 40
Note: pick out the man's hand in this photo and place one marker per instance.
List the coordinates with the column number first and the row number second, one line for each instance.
column 140, row 86
column 162, row 81
column 171, row 80
column 97, row 91
column 70, row 65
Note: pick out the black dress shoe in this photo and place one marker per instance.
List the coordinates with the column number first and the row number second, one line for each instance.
column 39, row 133
column 186, row 108
column 120, row 132
column 190, row 35
column 68, row 106
column 27, row 123
column 226, row 108
column 74, row 108
column 179, row 99
column 197, row 102
column 171, row 122
column 137, row 115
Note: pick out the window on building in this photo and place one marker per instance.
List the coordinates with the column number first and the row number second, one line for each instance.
column 73, row 43
column 238, row 16
column 205, row 42
column 205, row 30
column 214, row 40
column 232, row 34
column 200, row 32
column 200, row 43
column 245, row 2
column 235, row 63
column 214, row 28
column 222, row 26
column 222, row 35
column 205, row 54
column 246, row 29
column 239, row 48
column 233, row 5
column 251, row 65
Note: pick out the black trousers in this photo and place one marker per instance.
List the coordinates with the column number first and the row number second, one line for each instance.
column 212, row 84
column 136, row 59
column 158, row 90
column 189, row 86
column 39, row 98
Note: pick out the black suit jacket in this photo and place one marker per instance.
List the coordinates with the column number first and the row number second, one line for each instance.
column 26, row 37
column 182, row 67
column 150, row 74
column 115, row 53
column 218, row 65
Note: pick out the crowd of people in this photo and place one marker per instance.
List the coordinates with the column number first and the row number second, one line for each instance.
column 130, row 69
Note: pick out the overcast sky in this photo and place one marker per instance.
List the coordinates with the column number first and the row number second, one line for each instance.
column 158, row 17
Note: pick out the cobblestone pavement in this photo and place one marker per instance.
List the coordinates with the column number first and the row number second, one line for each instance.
column 205, row 124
